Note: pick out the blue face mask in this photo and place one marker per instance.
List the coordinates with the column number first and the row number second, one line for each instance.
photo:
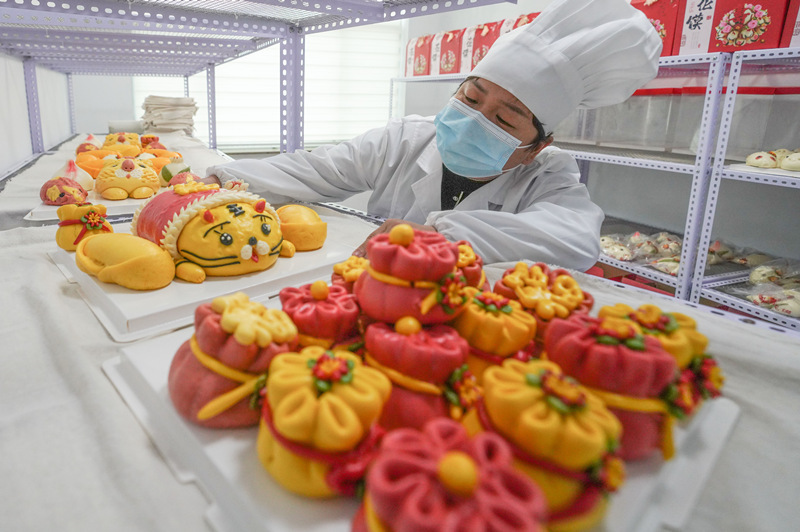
column 470, row 144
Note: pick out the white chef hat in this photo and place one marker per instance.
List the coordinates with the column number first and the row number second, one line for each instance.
column 575, row 54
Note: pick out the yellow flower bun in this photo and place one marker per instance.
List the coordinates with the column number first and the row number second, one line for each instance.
column 320, row 411
column 564, row 436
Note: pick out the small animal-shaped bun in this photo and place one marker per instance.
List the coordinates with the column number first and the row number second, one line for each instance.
column 62, row 191
column 123, row 178
column 212, row 232
column 127, row 144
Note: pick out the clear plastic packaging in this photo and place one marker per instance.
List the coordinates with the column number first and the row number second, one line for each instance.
column 685, row 133
column 642, row 121
column 749, row 123
column 783, row 128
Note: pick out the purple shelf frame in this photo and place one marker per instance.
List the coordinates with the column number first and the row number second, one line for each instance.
column 177, row 38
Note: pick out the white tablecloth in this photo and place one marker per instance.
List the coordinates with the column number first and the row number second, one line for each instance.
column 20, row 194
column 74, row 457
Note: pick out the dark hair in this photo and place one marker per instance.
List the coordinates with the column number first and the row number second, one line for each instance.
column 541, row 135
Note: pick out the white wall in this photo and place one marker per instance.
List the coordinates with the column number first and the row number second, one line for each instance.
column 15, row 138
column 99, row 99
column 53, row 107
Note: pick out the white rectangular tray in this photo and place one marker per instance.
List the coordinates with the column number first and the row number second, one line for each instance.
column 128, row 206
column 244, row 497
column 130, row 315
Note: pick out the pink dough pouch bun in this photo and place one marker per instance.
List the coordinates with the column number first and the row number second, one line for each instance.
column 699, row 377
column 562, row 436
column 438, row 478
column 77, row 222
column 216, row 376
column 629, row 371
column 427, row 367
column 325, row 315
column 544, row 293
column 495, row 328
column 318, row 431
column 411, row 273
column 62, row 191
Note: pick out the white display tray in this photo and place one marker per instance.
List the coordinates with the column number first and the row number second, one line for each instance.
column 130, row 315
column 128, row 206
column 225, row 464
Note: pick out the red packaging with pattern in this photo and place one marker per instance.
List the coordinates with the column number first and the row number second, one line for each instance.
column 729, row 25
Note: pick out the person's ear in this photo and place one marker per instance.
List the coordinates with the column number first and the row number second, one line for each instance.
column 531, row 155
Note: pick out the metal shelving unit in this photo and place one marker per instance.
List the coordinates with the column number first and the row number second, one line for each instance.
column 697, row 166
column 182, row 38
column 708, row 284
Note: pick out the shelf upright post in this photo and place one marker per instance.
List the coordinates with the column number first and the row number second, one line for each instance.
column 71, row 103
column 292, row 90
column 726, row 119
column 212, row 106
column 186, row 86
column 701, row 176
column 34, row 114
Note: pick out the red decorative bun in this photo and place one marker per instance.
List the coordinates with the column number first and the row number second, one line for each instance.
column 324, row 315
column 410, row 273
column 62, row 191
column 440, row 479
column 420, row 363
column 611, row 356
column 184, row 177
column 192, row 385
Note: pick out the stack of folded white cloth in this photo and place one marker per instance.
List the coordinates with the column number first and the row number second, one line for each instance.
column 163, row 114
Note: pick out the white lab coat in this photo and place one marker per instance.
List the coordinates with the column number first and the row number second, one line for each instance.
column 539, row 212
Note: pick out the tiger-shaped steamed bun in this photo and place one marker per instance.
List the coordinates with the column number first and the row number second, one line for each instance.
column 123, row 178
column 211, row 231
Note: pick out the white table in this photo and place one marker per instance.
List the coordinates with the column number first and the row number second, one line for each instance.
column 74, row 457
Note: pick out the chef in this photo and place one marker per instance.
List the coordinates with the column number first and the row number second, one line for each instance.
column 483, row 169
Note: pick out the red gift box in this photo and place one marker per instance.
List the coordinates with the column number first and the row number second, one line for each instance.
column 446, row 52
column 730, row 25
column 514, row 23
column 791, row 27
column 663, row 15
column 476, row 43
column 418, row 56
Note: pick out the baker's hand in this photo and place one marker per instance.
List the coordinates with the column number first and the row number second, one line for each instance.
column 361, row 251
column 211, row 180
